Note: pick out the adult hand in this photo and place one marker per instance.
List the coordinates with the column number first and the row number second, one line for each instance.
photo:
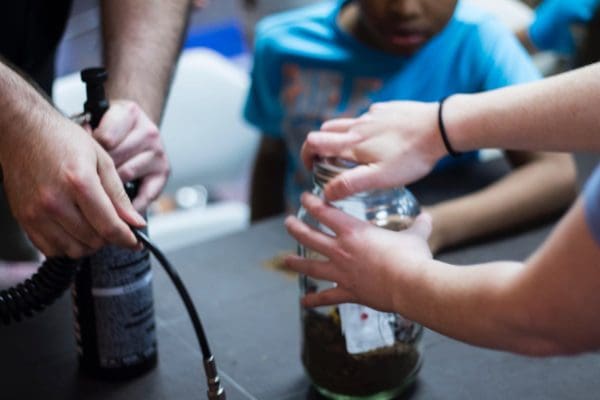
column 365, row 261
column 64, row 190
column 133, row 141
column 395, row 143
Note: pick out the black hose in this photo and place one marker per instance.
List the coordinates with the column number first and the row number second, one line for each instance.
column 36, row 293
column 55, row 276
column 183, row 293
column 215, row 391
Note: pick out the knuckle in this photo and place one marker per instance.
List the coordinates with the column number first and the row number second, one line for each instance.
column 105, row 161
column 132, row 108
column 337, row 253
column 109, row 231
column 127, row 173
column 48, row 200
column 106, row 140
column 77, row 181
column 89, row 236
column 76, row 252
column 27, row 215
column 350, row 239
column 153, row 133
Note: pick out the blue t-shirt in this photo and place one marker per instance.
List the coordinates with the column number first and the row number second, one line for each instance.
column 557, row 23
column 307, row 70
column 591, row 199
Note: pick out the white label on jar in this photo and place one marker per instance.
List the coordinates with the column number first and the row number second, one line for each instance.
column 365, row 329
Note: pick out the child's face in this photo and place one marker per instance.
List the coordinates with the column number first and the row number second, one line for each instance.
column 402, row 26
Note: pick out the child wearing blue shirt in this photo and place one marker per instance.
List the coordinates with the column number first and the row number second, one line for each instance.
column 336, row 58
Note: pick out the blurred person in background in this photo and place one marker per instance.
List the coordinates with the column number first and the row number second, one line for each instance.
column 62, row 185
column 337, row 58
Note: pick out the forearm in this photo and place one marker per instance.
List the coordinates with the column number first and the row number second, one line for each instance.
column 545, row 306
column 542, row 186
column 141, row 42
column 468, row 303
column 555, row 114
column 23, row 111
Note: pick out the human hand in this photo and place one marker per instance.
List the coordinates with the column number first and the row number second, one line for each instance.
column 133, row 141
column 365, row 261
column 395, row 143
column 64, row 190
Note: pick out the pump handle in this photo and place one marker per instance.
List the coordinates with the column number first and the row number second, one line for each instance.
column 96, row 103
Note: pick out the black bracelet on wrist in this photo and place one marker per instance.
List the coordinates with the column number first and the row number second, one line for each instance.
column 443, row 129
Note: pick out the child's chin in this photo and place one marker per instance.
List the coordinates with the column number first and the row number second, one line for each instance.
column 405, row 51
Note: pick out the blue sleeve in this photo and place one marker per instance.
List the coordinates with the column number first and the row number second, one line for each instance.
column 263, row 107
column 591, row 199
column 502, row 59
column 553, row 22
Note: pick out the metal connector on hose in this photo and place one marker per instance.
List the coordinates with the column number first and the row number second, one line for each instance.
column 215, row 391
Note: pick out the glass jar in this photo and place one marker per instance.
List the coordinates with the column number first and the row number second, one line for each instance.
column 350, row 351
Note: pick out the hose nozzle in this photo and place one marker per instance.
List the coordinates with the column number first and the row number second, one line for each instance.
column 96, row 103
column 215, row 391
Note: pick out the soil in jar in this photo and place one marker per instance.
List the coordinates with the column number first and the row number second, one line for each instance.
column 331, row 367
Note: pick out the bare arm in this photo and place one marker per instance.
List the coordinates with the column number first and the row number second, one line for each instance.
column 141, row 42
column 547, row 305
column 399, row 142
column 539, row 185
column 62, row 187
column 555, row 114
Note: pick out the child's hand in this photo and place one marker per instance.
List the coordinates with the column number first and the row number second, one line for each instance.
column 365, row 261
column 396, row 143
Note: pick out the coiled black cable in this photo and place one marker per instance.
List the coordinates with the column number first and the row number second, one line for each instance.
column 36, row 293
column 55, row 276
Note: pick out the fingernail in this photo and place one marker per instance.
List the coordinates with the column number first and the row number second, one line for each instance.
column 139, row 219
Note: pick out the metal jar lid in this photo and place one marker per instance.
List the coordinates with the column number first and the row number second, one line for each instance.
column 325, row 169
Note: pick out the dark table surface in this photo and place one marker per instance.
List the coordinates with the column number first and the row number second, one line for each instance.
column 251, row 315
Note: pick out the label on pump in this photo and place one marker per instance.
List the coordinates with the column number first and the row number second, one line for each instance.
column 121, row 329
